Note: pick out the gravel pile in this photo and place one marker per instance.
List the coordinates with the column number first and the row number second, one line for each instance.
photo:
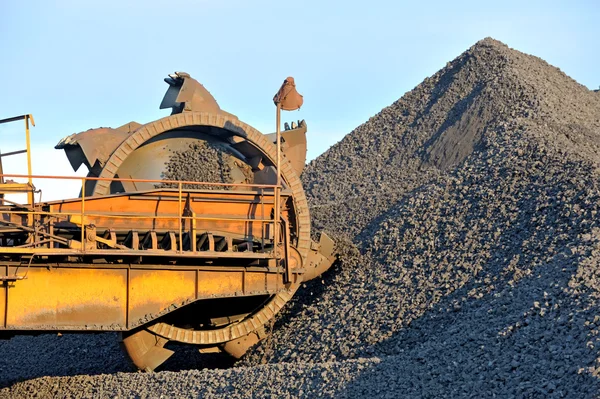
column 487, row 273
column 467, row 223
column 206, row 162
column 440, row 123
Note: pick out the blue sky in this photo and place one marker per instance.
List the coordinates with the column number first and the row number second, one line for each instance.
column 79, row 64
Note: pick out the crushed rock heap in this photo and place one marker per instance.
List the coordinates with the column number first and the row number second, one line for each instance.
column 205, row 161
column 467, row 222
column 473, row 203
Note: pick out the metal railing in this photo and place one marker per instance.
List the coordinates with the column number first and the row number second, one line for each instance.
column 27, row 118
column 33, row 209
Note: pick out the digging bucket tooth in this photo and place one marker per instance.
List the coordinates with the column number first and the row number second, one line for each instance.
column 145, row 349
column 238, row 347
column 320, row 258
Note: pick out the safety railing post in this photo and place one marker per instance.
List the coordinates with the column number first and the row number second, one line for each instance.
column 29, row 171
column 180, row 219
column 82, row 214
column 262, row 218
column 278, row 186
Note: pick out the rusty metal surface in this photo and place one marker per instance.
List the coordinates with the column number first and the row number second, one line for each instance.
column 187, row 94
column 65, row 298
column 118, row 298
column 293, row 145
column 145, row 350
column 320, row 258
column 92, row 147
column 287, row 96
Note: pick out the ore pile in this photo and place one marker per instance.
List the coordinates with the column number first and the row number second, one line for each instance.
column 206, row 162
column 485, row 278
column 469, row 241
column 437, row 125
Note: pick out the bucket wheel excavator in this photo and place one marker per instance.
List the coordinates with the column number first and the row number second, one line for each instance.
column 193, row 228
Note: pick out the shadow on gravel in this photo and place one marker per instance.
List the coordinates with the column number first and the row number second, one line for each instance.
column 27, row 357
column 308, row 293
column 441, row 87
column 524, row 341
column 525, row 325
column 187, row 357
column 364, row 239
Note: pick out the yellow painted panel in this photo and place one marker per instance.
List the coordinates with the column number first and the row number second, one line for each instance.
column 215, row 284
column 274, row 281
column 67, row 297
column 153, row 291
column 255, row 282
column 3, row 272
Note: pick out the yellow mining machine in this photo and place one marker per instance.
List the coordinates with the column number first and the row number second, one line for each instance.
column 208, row 264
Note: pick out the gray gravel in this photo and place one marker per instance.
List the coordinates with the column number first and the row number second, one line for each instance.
column 273, row 380
column 466, row 215
column 206, row 162
column 487, row 273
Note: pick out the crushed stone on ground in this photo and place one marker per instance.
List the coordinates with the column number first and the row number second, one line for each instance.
column 206, row 162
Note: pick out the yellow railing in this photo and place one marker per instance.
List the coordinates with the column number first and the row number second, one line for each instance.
column 32, row 210
column 27, row 118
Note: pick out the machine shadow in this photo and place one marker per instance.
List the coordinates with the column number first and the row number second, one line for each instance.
column 28, row 357
column 49, row 355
